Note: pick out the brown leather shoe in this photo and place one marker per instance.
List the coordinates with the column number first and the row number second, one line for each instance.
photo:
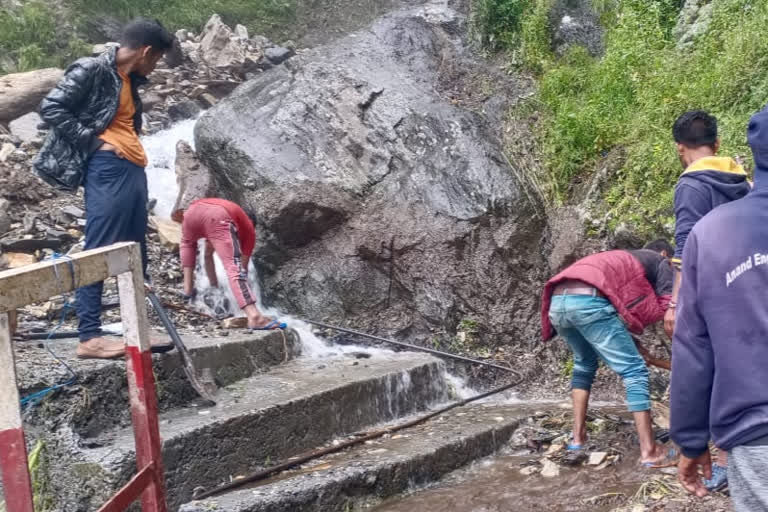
column 101, row 348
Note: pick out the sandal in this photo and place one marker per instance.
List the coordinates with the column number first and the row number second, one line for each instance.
column 669, row 460
column 274, row 324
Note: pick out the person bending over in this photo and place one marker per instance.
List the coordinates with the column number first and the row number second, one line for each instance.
column 593, row 304
column 230, row 233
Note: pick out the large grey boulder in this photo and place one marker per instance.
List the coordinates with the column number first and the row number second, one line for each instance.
column 379, row 202
column 21, row 93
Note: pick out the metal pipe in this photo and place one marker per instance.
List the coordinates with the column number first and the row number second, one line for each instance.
column 414, row 347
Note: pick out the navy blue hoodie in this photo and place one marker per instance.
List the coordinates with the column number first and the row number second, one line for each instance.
column 720, row 347
column 706, row 183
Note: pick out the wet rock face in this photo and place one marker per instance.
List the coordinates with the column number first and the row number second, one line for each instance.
column 378, row 201
column 575, row 23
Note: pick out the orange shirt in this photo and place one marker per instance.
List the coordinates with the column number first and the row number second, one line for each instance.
column 121, row 132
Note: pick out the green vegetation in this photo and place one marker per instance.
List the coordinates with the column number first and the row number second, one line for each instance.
column 260, row 16
column 630, row 97
column 30, row 39
column 38, row 472
column 33, row 36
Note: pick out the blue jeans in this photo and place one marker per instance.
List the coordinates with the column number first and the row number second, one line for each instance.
column 116, row 211
column 592, row 329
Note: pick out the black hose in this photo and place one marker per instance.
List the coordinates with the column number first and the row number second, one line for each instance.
column 415, row 347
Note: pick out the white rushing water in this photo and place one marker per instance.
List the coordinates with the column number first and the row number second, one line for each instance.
column 161, row 178
column 161, row 169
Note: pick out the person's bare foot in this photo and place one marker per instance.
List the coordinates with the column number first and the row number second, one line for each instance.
column 101, row 348
column 661, row 455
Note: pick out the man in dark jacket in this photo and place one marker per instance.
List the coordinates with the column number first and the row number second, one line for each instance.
column 720, row 348
column 592, row 304
column 95, row 118
column 707, row 182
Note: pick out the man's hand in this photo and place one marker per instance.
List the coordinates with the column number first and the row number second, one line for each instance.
column 669, row 322
column 688, row 473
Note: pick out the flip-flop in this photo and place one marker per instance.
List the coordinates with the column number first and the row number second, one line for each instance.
column 573, row 447
column 669, row 460
column 271, row 326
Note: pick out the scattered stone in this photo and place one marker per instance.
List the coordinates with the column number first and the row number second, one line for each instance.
column 21, row 93
column 241, row 31
column 237, row 322
column 74, row 211
column 5, row 151
column 208, row 100
column 18, row 259
column 549, row 469
column 278, row 54
column 168, row 231
column 182, row 35
column 184, row 110
column 219, row 47
column 26, row 127
column 597, row 458
column 529, row 470
column 574, row 458
column 554, row 448
column 150, row 100
column 175, row 56
column 261, row 42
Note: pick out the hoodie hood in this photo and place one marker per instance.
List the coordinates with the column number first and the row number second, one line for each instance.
column 757, row 137
column 723, row 174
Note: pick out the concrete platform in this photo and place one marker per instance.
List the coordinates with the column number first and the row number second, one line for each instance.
column 267, row 417
column 381, row 468
column 99, row 400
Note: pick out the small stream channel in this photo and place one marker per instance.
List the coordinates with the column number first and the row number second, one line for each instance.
column 495, row 484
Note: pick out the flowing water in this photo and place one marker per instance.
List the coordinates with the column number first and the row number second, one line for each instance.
column 161, row 177
column 495, row 484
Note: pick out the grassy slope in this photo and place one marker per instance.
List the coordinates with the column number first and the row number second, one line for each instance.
column 631, row 96
column 32, row 37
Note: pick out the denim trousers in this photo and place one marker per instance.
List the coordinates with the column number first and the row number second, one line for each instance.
column 592, row 328
column 116, row 211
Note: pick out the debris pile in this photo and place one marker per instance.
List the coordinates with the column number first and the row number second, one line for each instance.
column 38, row 222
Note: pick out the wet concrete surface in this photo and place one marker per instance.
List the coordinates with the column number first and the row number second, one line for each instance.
column 384, row 467
column 272, row 416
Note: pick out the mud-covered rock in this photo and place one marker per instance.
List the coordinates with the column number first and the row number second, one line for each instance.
column 377, row 200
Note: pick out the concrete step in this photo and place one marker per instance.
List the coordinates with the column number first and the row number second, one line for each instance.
column 99, row 401
column 267, row 417
column 378, row 469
